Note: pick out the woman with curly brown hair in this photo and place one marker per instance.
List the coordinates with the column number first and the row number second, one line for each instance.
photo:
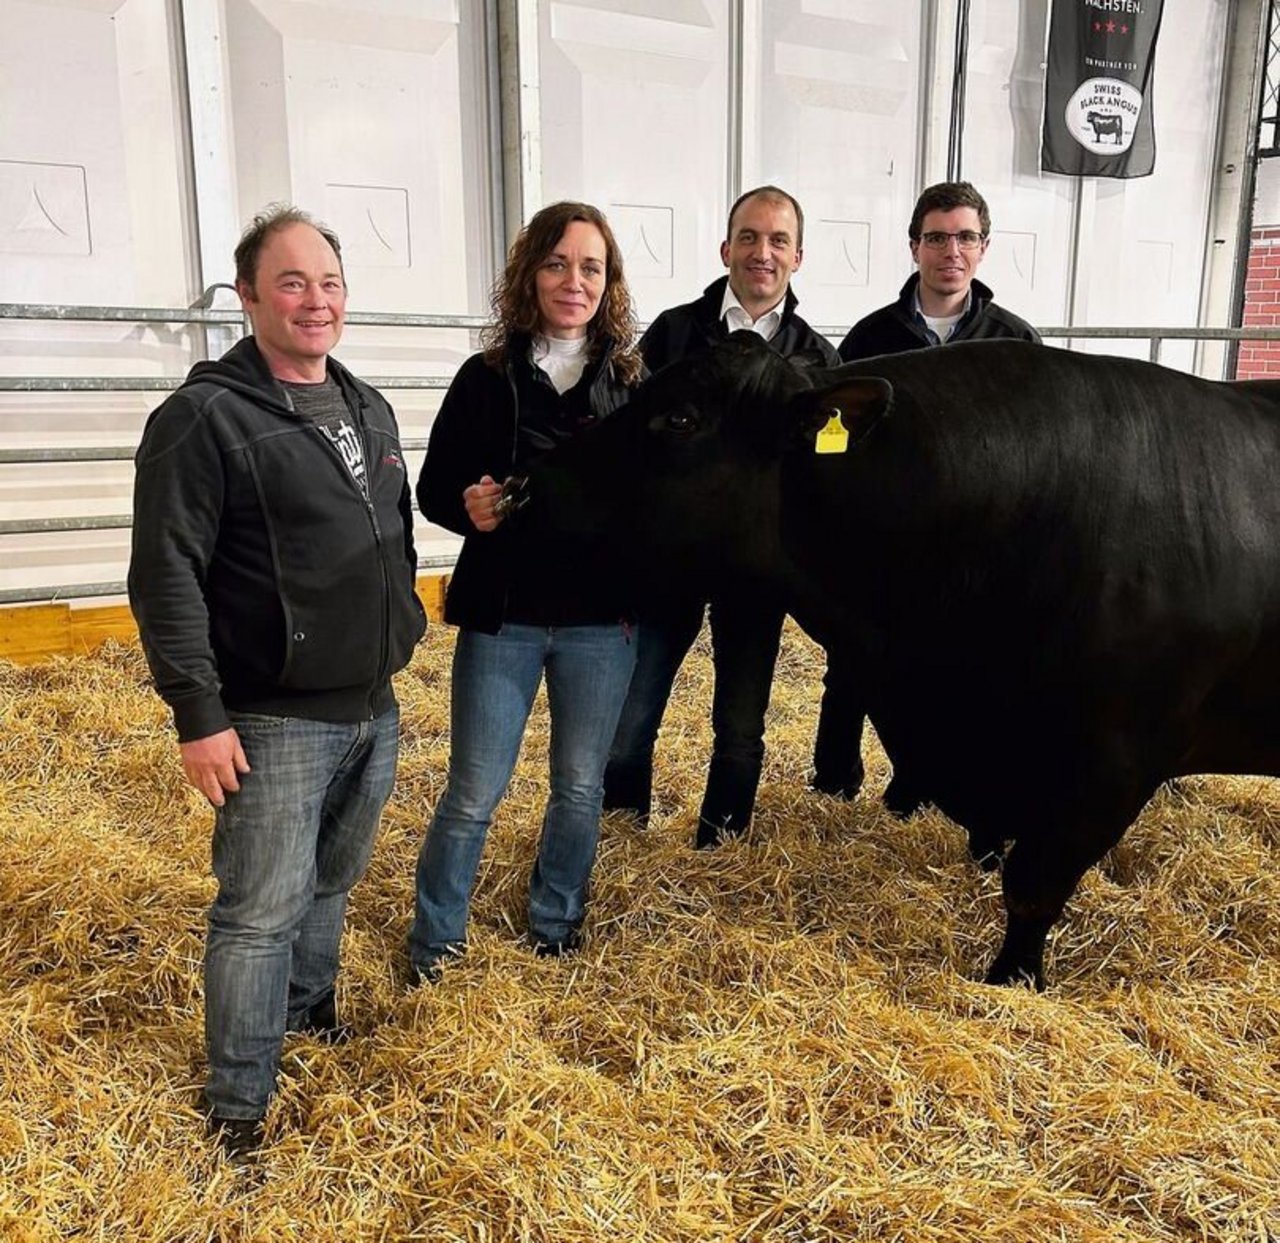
column 559, row 356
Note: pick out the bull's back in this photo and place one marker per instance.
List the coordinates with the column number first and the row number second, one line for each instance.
column 1058, row 540
column 1143, row 487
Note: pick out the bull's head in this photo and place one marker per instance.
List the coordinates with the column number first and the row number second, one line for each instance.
column 686, row 476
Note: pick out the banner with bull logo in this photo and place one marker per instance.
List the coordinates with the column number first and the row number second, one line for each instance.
column 1097, row 88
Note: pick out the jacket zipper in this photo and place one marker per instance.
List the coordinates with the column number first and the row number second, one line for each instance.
column 515, row 445
column 384, row 655
column 357, row 415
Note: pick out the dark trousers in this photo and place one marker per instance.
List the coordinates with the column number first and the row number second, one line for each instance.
column 837, row 749
column 745, row 634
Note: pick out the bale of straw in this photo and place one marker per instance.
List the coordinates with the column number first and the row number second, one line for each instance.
column 781, row 1039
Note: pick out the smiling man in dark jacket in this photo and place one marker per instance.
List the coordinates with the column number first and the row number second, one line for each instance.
column 272, row 579
column 763, row 247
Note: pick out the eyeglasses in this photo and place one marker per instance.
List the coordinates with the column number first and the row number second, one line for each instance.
column 966, row 239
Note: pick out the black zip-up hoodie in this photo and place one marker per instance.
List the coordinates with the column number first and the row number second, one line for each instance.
column 262, row 579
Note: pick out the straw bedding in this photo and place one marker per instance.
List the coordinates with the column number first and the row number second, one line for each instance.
column 779, row 1040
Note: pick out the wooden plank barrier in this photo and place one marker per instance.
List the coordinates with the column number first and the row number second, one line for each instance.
column 35, row 632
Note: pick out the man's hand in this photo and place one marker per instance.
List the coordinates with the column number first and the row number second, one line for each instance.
column 214, row 764
column 479, row 499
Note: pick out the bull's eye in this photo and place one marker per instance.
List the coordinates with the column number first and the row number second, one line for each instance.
column 680, row 421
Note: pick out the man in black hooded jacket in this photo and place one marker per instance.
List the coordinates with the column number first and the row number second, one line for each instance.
column 272, row 579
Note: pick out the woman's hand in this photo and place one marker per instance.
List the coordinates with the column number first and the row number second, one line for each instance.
column 480, row 499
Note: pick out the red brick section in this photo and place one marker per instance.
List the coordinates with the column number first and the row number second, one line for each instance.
column 1260, row 360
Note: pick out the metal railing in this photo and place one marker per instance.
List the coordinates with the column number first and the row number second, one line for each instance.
column 199, row 314
column 202, row 314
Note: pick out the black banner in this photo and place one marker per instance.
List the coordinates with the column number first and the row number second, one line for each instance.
column 1097, row 88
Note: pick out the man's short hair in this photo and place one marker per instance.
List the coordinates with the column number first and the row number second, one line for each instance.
column 271, row 219
column 947, row 196
column 776, row 195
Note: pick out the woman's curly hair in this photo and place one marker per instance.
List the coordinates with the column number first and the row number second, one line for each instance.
column 514, row 299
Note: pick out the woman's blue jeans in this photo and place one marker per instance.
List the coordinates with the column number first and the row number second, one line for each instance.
column 286, row 849
column 495, row 679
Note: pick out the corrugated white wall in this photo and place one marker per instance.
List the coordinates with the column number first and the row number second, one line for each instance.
column 377, row 115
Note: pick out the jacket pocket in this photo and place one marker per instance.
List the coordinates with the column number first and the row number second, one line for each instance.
column 330, row 644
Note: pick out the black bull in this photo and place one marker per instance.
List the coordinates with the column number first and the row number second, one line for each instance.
column 1064, row 563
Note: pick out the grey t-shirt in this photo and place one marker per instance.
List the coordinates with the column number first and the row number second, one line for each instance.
column 324, row 405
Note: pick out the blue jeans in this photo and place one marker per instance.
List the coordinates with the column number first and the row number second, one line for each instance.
column 495, row 679
column 746, row 630
column 286, row 849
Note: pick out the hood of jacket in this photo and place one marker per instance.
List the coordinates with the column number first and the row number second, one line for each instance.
column 243, row 369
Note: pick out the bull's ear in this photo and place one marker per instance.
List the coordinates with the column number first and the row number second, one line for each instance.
column 809, row 360
column 832, row 419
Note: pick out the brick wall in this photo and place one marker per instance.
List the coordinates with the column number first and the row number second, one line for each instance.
column 1261, row 359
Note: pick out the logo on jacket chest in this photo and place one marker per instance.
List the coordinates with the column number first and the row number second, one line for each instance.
column 346, row 440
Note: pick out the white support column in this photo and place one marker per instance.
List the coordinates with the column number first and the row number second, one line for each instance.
column 939, row 21
column 1080, row 265
column 521, row 104
column 1231, row 208
column 745, row 104
column 212, row 152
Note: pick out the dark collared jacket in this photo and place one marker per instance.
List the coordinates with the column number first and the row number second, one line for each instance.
column 476, row 433
column 894, row 329
column 697, row 325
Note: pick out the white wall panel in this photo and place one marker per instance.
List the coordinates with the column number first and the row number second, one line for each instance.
column 1141, row 241
column 377, row 125
column 635, row 120
column 91, row 204
column 1148, row 234
column 375, row 118
column 93, row 210
column 837, row 99
column 1028, row 264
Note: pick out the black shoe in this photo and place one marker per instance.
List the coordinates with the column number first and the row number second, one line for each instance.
column 711, row 833
column 321, row 1023
column 571, row 943
column 239, row 1138
column 432, row 971
column 846, row 788
column 902, row 799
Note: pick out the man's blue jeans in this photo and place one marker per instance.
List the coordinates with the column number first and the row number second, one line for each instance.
column 495, row 679
column 286, row 849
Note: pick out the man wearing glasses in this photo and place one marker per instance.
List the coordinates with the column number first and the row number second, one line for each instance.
column 940, row 304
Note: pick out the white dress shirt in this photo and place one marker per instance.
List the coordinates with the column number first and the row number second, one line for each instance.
column 735, row 317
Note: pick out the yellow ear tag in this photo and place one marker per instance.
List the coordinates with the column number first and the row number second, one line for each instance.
column 834, row 437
